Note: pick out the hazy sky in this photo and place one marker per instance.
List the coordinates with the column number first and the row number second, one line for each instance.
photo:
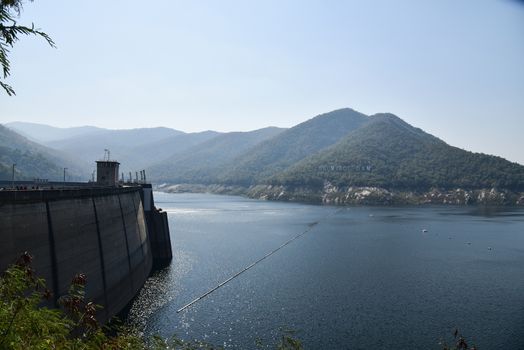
column 454, row 68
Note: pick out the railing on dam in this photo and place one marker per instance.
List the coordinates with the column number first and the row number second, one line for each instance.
column 38, row 195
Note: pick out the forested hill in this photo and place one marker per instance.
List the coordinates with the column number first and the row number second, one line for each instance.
column 278, row 153
column 203, row 161
column 135, row 149
column 122, row 144
column 32, row 160
column 389, row 153
column 342, row 148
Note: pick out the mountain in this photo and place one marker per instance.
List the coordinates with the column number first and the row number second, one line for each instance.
column 121, row 138
column 201, row 162
column 33, row 160
column 124, row 145
column 389, row 153
column 45, row 133
column 157, row 151
column 135, row 149
column 290, row 146
column 342, row 156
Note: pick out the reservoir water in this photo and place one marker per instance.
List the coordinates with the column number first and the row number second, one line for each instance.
column 362, row 278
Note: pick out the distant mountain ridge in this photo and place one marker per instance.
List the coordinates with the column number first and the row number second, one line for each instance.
column 43, row 133
column 387, row 152
column 138, row 149
column 123, row 145
column 341, row 156
column 292, row 145
column 134, row 148
column 205, row 160
column 158, row 151
column 347, row 157
column 33, row 160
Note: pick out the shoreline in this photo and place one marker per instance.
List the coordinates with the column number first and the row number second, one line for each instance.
column 373, row 196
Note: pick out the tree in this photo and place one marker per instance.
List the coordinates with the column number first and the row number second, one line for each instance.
column 10, row 33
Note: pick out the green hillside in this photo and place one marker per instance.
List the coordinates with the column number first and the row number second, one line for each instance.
column 290, row 146
column 135, row 149
column 122, row 144
column 390, row 153
column 158, row 150
column 343, row 148
column 200, row 163
column 32, row 160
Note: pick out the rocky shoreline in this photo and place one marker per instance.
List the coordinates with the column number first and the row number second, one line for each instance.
column 358, row 195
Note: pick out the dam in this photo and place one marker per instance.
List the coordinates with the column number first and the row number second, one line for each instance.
column 110, row 231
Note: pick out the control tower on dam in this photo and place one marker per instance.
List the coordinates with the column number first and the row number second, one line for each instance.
column 110, row 231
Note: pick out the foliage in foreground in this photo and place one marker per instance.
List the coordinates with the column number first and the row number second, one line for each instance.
column 10, row 33
column 26, row 324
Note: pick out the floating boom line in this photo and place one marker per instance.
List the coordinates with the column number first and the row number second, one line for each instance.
column 310, row 227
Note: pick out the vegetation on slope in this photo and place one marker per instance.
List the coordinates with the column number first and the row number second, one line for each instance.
column 32, row 160
column 123, row 145
column 343, row 148
column 390, row 153
column 201, row 162
column 290, row 146
column 135, row 149
column 158, row 150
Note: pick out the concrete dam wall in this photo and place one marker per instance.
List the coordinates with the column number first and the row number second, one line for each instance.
column 105, row 233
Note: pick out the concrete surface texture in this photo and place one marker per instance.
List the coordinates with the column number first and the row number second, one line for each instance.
column 103, row 234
